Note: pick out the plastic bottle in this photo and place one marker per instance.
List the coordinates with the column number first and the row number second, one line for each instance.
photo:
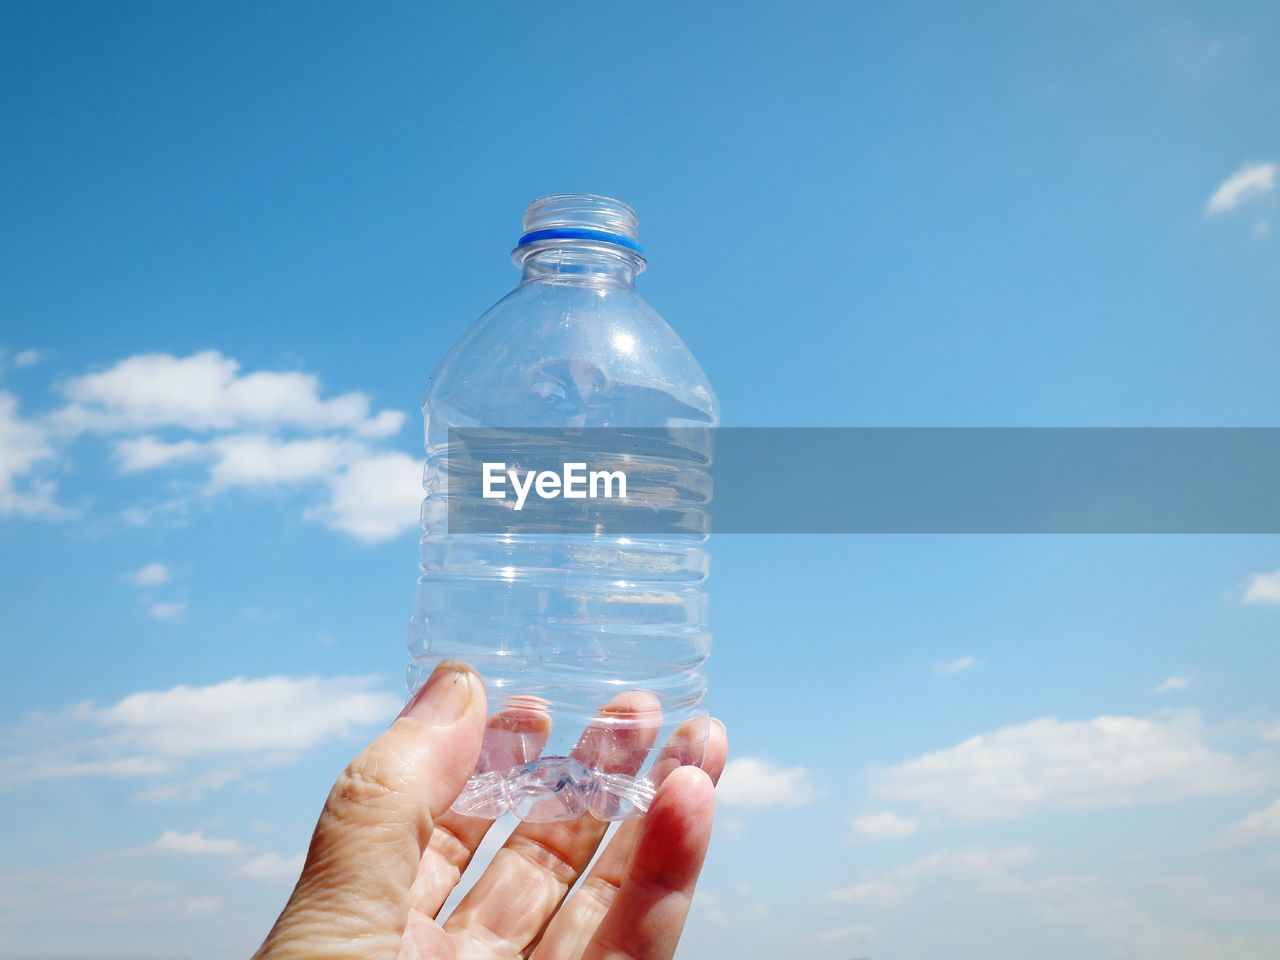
column 591, row 646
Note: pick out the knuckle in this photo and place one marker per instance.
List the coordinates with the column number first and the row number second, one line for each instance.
column 367, row 790
column 603, row 890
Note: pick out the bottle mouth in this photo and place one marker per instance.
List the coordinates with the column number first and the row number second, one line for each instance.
column 581, row 216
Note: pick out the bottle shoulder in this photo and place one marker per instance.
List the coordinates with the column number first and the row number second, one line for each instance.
column 564, row 354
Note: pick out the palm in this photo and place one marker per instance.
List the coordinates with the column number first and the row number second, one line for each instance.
column 517, row 907
column 388, row 851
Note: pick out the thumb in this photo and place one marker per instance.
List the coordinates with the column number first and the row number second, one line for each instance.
column 353, row 896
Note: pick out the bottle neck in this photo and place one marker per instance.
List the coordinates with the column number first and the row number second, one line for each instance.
column 579, row 263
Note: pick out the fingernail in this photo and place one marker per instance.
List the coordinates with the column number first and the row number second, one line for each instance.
column 445, row 696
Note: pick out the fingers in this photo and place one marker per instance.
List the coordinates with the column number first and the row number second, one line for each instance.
column 352, row 899
column 512, row 901
column 512, row 737
column 575, row 924
column 648, row 913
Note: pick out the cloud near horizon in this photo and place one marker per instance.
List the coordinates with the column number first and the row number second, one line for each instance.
column 1047, row 763
column 170, row 734
column 171, row 841
column 759, row 783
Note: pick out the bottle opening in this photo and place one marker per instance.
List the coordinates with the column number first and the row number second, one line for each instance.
column 581, row 216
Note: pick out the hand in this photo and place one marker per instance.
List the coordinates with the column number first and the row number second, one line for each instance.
column 387, row 851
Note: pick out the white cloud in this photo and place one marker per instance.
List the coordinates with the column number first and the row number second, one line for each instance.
column 151, row 575
column 884, row 825
column 272, row 866
column 164, row 732
column 955, row 666
column 206, row 391
column 1251, row 181
column 753, row 782
column 244, row 716
column 192, row 789
column 35, row 918
column 26, row 358
column 173, row 842
column 24, row 448
column 1260, row 825
column 199, row 905
column 246, row 460
column 966, row 863
column 868, row 892
column 1048, row 763
column 375, row 498
column 1263, row 588
column 243, row 423
column 148, row 453
column 735, row 827
column 1172, row 685
column 853, row 932
column 167, row 610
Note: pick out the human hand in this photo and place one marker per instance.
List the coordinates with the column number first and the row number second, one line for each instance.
column 387, row 852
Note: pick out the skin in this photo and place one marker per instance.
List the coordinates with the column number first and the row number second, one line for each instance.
column 387, row 850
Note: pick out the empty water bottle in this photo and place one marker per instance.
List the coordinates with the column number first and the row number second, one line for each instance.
column 591, row 644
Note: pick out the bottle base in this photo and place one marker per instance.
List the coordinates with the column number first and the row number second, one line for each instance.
column 555, row 788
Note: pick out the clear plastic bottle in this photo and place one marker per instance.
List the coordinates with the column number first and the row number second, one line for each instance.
column 591, row 646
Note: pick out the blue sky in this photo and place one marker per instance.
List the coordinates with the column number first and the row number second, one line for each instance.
column 237, row 239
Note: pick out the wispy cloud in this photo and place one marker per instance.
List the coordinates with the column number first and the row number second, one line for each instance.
column 868, row 892
column 1048, row 763
column 1172, row 685
column 753, row 782
column 191, row 789
column 884, row 825
column 25, row 449
column 138, row 454
column 167, row 610
column 197, row 843
column 165, row 733
column 272, row 866
column 201, row 905
column 1263, row 588
column 854, row 932
column 948, row 667
column 1251, row 181
column 151, row 575
column 26, row 358
column 964, row 862
column 950, row 902
column 1258, row 826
